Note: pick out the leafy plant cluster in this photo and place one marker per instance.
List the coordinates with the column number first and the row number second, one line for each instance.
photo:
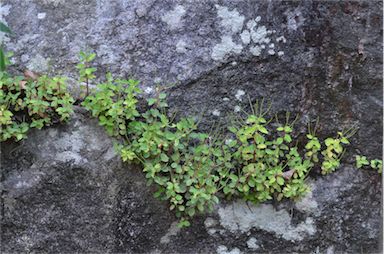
column 258, row 161
column 3, row 55
column 31, row 102
column 375, row 164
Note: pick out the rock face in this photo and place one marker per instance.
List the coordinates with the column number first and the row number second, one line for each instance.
column 64, row 190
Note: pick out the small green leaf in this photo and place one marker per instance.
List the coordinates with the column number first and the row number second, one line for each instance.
column 4, row 28
column 164, row 157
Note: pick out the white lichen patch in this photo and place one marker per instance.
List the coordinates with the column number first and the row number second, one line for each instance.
column 294, row 19
column 209, row 222
column 4, row 11
column 174, row 17
column 148, row 90
column 225, row 47
column 239, row 94
column 256, row 35
column 54, row 2
column 181, row 47
column 231, row 21
column 237, row 109
column 281, row 39
column 216, row 112
column 238, row 217
column 256, row 50
column 245, row 37
column 280, row 53
column 221, row 249
column 251, row 24
column 38, row 64
column 172, row 231
column 308, row 204
column 252, row 243
column 41, row 15
column 260, row 35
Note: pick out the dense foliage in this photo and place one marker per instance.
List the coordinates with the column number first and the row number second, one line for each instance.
column 259, row 158
column 257, row 161
column 31, row 102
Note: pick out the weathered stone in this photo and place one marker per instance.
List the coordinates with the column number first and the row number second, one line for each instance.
column 64, row 190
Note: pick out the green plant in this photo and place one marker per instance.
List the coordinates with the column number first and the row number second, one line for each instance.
column 174, row 156
column 376, row 164
column 268, row 163
column 114, row 104
column 85, row 70
column 259, row 161
column 335, row 151
column 3, row 56
column 31, row 103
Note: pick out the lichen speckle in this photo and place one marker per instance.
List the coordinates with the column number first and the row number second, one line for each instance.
column 237, row 109
column 238, row 217
column 225, row 47
column 41, row 15
column 308, row 204
column 181, row 47
column 148, row 90
column 209, row 222
column 256, row 50
column 172, row 231
column 255, row 35
column 38, row 64
column 221, row 249
column 216, row 112
column 260, row 35
column 174, row 17
column 239, row 94
column 252, row 243
column 231, row 21
column 245, row 37
column 294, row 19
column 281, row 39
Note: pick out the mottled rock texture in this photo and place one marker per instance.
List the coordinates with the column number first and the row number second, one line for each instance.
column 64, row 190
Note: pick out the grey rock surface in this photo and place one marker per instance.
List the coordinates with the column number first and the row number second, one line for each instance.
column 64, row 190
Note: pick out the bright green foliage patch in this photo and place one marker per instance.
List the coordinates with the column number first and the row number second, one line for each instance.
column 270, row 164
column 259, row 161
column 86, row 72
column 3, row 55
column 114, row 104
column 31, row 103
column 376, row 164
column 335, row 151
